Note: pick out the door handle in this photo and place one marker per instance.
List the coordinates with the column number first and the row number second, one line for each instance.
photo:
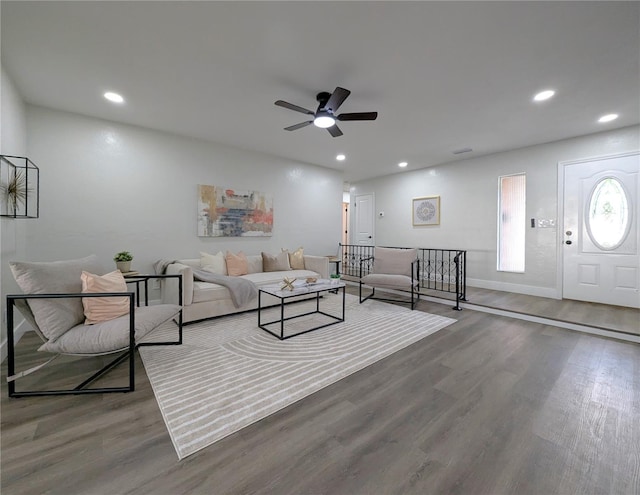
column 568, row 242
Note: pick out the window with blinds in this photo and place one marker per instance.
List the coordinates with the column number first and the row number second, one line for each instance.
column 511, row 222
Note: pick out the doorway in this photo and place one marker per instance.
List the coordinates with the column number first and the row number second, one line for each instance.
column 345, row 223
column 599, row 234
column 364, row 232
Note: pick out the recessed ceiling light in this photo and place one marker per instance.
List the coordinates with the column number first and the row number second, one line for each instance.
column 544, row 95
column 340, row 157
column 402, row 164
column 608, row 118
column 113, row 97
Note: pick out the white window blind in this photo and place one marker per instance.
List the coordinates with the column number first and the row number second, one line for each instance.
column 511, row 223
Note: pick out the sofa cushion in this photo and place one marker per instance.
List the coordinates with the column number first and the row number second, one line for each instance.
column 237, row 264
column 113, row 335
column 206, row 291
column 214, row 263
column 271, row 278
column 388, row 281
column 276, row 263
column 54, row 316
column 97, row 309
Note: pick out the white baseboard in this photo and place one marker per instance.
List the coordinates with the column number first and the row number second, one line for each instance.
column 529, row 290
column 18, row 332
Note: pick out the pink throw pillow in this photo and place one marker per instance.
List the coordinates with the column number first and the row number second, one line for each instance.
column 97, row 309
column 237, row 264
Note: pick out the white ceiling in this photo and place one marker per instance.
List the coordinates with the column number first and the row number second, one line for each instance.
column 442, row 75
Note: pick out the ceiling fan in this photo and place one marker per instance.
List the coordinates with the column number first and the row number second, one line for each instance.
column 325, row 116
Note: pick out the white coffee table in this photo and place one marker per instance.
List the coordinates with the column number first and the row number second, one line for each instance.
column 277, row 327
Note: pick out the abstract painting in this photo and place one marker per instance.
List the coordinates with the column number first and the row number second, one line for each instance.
column 226, row 212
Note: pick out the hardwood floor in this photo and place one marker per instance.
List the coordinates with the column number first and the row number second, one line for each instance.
column 616, row 318
column 604, row 316
column 489, row 405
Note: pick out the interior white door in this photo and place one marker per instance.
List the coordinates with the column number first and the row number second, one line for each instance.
column 600, row 230
column 364, row 217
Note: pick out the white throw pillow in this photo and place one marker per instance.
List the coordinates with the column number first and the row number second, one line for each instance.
column 214, row 263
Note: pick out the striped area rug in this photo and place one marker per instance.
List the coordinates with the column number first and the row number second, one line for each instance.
column 229, row 374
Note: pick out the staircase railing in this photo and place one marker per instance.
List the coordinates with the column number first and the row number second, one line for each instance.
column 442, row 270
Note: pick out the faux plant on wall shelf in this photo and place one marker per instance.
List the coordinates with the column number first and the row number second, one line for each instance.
column 19, row 187
column 16, row 191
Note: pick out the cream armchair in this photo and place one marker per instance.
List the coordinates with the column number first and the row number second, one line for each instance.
column 52, row 304
column 391, row 269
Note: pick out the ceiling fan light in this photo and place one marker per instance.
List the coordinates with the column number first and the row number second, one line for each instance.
column 324, row 121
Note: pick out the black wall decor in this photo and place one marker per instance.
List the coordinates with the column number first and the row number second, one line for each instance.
column 19, row 187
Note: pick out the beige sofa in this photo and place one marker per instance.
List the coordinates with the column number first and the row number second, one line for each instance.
column 204, row 300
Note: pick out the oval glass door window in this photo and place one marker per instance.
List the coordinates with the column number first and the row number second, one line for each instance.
column 608, row 215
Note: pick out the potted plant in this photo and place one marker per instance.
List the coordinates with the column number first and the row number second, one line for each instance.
column 123, row 261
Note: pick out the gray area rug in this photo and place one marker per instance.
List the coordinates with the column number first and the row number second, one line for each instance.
column 229, row 374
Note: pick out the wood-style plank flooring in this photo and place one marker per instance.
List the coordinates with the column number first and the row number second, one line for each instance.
column 489, row 405
column 603, row 316
column 616, row 318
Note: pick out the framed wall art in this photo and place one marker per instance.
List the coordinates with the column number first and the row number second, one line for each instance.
column 426, row 211
column 227, row 212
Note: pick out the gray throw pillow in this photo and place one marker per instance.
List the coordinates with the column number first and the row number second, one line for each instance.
column 277, row 263
column 55, row 316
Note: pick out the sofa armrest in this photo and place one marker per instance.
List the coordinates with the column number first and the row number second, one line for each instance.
column 319, row 264
column 169, row 290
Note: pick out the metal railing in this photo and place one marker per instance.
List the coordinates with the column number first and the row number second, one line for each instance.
column 442, row 270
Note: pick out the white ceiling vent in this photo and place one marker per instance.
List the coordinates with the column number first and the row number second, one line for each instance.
column 461, row 150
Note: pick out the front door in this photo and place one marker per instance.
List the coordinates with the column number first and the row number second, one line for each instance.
column 600, row 230
column 364, row 220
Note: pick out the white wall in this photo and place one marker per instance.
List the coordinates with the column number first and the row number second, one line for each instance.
column 108, row 187
column 468, row 193
column 13, row 141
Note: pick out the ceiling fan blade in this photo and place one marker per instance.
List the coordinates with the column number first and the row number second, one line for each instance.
column 357, row 116
column 293, row 107
column 334, row 130
column 298, row 126
column 336, row 99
